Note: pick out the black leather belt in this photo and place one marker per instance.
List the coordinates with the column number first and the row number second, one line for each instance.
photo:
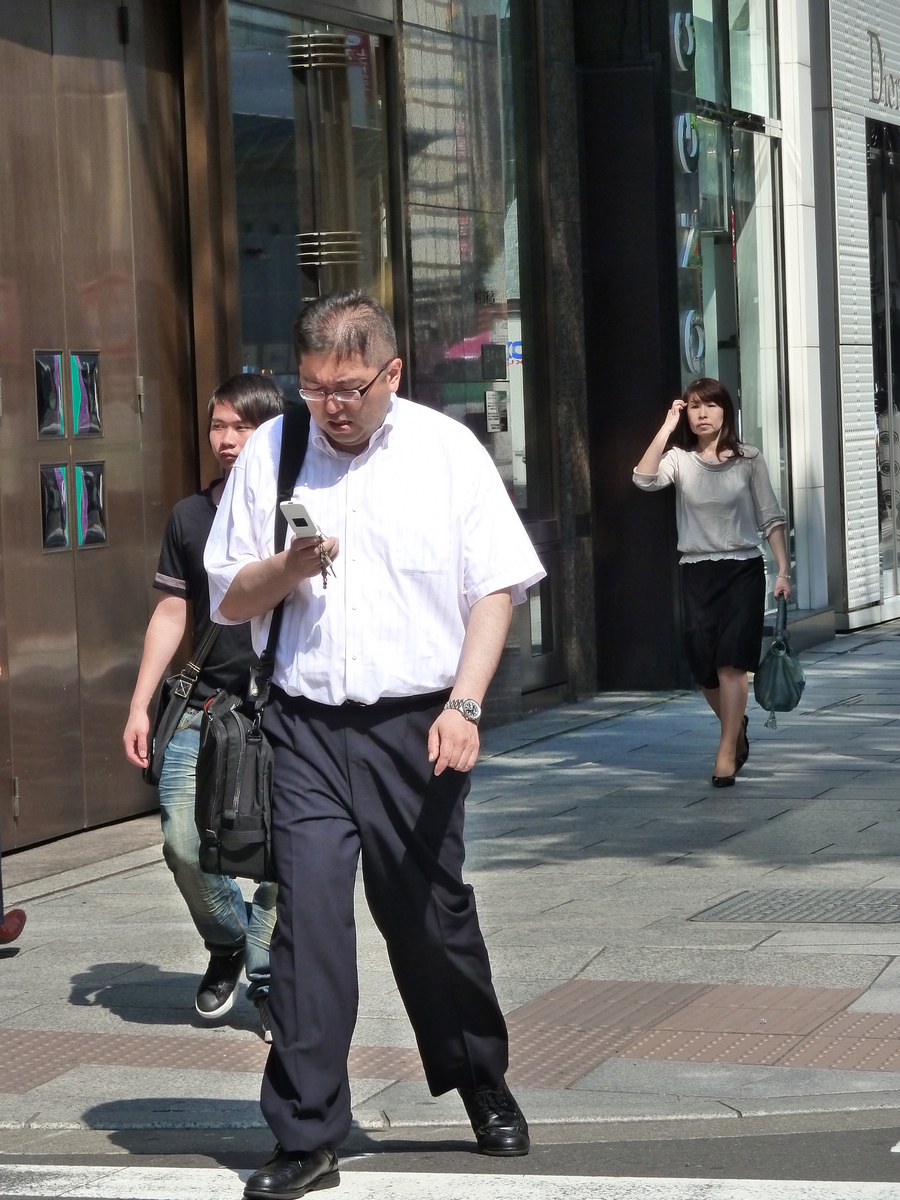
column 426, row 699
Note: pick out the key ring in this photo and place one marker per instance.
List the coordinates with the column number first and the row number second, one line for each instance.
column 324, row 557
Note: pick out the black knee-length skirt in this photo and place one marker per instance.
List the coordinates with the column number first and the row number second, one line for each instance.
column 724, row 607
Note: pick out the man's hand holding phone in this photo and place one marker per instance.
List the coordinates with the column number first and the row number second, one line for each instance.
column 309, row 553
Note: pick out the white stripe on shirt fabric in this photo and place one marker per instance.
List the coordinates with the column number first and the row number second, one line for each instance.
column 168, row 581
column 426, row 529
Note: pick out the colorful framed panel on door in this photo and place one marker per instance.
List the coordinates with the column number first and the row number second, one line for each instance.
column 85, row 374
column 51, row 420
column 55, row 506
column 90, row 508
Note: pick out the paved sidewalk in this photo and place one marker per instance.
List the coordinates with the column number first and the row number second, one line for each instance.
column 597, row 847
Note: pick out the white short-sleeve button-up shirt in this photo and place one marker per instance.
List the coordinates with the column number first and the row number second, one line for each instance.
column 426, row 529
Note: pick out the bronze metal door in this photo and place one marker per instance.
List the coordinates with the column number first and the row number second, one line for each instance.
column 42, row 662
column 92, row 277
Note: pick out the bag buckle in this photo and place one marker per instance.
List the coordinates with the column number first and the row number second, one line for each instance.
column 183, row 688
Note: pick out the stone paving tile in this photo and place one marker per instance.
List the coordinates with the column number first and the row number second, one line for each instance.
column 748, row 1048
column 550, row 1056
column 385, row 1062
column 857, row 1054
column 745, row 1008
column 586, row 1005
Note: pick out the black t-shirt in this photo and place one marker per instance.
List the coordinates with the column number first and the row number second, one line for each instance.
column 181, row 573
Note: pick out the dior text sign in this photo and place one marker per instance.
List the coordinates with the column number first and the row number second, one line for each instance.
column 885, row 87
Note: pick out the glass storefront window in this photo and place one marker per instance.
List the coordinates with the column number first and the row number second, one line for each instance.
column 750, row 41
column 728, row 47
column 311, row 172
column 703, row 27
column 727, row 217
column 470, row 342
column 756, row 259
column 884, row 243
column 309, row 108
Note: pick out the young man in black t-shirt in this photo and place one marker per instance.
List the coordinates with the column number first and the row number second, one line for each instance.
column 236, row 934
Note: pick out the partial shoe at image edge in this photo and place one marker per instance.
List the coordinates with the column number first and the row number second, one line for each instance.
column 11, row 926
column 288, row 1176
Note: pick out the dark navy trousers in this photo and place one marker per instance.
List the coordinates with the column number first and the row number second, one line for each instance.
column 351, row 779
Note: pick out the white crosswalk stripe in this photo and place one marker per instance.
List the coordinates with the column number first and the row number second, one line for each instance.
column 183, row 1183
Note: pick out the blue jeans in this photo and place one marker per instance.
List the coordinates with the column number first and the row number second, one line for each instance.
column 225, row 921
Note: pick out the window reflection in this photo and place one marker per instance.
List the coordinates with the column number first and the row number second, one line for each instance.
column 85, row 373
column 750, row 33
column 54, row 507
column 48, row 383
column 90, row 509
column 309, row 113
column 464, row 218
column 726, row 215
column 884, row 242
column 705, row 46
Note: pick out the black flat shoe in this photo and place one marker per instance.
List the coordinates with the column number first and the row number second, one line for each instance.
column 742, row 758
column 723, row 781
column 497, row 1121
column 289, row 1176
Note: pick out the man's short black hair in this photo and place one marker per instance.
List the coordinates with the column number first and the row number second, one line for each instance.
column 346, row 324
column 255, row 398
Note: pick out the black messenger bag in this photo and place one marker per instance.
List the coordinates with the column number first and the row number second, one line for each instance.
column 174, row 698
column 233, row 799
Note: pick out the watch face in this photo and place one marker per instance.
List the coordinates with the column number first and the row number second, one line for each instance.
column 471, row 710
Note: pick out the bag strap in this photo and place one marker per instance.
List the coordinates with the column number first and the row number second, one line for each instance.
column 190, row 672
column 294, row 441
column 780, row 620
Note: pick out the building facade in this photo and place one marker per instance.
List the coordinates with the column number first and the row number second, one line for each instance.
column 180, row 178
column 856, row 104
column 570, row 207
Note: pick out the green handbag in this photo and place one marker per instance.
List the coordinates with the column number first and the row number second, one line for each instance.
column 779, row 680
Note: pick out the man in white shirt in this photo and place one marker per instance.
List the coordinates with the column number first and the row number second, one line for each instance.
column 382, row 666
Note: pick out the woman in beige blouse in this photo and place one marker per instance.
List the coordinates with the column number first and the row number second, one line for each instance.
column 725, row 506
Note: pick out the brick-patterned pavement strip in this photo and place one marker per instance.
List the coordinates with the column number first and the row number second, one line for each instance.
column 554, row 1041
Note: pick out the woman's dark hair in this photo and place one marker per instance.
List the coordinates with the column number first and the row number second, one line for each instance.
column 255, row 398
column 713, row 392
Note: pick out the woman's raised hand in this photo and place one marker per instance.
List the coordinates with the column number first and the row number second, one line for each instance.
column 673, row 415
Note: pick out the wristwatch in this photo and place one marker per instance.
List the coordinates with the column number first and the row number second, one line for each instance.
column 470, row 709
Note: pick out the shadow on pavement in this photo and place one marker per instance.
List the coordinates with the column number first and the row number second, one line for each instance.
column 143, row 994
column 228, row 1139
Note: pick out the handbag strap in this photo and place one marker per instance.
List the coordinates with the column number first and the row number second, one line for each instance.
column 294, row 441
column 190, row 672
column 780, row 620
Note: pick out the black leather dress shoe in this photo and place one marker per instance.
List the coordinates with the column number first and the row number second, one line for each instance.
column 497, row 1121
column 289, row 1176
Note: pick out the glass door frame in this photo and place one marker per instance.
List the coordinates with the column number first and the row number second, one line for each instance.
column 385, row 28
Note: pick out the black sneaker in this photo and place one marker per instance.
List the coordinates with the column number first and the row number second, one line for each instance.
column 215, row 995
column 262, row 1005
column 497, row 1121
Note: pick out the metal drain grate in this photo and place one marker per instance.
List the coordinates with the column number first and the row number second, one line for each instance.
column 837, row 906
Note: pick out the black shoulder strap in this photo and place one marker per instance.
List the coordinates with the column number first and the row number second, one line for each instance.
column 190, row 672
column 294, row 441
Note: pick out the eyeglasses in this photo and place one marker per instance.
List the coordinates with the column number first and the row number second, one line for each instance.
column 341, row 395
